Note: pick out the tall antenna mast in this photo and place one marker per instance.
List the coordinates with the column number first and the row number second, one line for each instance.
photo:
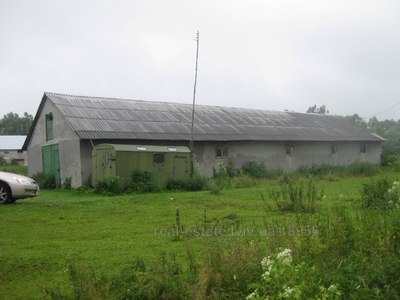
column 197, row 39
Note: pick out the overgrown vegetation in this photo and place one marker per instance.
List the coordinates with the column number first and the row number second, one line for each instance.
column 321, row 257
column 67, row 184
column 45, row 181
column 355, row 169
column 142, row 182
column 200, row 246
column 252, row 171
column 301, row 242
column 296, row 198
column 110, row 185
column 381, row 194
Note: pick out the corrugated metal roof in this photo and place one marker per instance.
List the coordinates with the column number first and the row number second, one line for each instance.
column 109, row 118
column 144, row 148
column 12, row 142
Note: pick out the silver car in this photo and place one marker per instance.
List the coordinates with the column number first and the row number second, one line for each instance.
column 14, row 186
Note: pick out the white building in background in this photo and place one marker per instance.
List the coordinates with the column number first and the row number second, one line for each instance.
column 11, row 148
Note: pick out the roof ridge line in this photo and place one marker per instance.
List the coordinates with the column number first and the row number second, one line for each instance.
column 124, row 99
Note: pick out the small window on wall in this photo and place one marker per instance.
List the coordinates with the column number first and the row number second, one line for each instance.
column 49, row 126
column 158, row 158
column 221, row 152
column 289, row 150
column 333, row 149
column 363, row 148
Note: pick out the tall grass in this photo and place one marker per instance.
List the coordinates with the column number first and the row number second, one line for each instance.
column 352, row 254
column 14, row 168
column 343, row 250
column 296, row 198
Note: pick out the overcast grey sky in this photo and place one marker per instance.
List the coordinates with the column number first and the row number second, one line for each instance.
column 267, row 54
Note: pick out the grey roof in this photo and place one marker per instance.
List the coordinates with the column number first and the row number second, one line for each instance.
column 144, row 148
column 109, row 118
column 12, row 142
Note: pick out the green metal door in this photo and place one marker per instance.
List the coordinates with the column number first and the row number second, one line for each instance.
column 105, row 164
column 51, row 162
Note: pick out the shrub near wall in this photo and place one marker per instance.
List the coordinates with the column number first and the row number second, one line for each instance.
column 44, row 181
column 142, row 182
column 110, row 185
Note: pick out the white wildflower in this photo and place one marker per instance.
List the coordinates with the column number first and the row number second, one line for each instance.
column 334, row 290
column 285, row 256
column 332, row 287
column 252, row 295
column 267, row 263
column 264, row 262
column 234, row 277
column 266, row 274
column 284, row 253
column 288, row 292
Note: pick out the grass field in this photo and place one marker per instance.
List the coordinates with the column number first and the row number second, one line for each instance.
column 41, row 239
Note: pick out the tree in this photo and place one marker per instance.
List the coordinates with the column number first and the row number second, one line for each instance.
column 13, row 124
column 318, row 110
column 390, row 130
column 358, row 120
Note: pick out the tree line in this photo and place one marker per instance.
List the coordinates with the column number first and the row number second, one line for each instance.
column 13, row 124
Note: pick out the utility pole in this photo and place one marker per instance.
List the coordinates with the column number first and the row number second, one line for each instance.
column 197, row 39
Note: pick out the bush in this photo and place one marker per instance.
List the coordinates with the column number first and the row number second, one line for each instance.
column 230, row 167
column 243, row 181
column 392, row 161
column 318, row 170
column 221, row 178
column 176, row 184
column 215, row 187
column 45, row 181
column 292, row 197
column 197, row 183
column 111, row 185
column 142, row 182
column 255, row 169
column 363, row 168
column 381, row 194
column 2, row 161
column 67, row 183
column 331, row 172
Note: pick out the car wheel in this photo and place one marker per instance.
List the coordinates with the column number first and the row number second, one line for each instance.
column 5, row 195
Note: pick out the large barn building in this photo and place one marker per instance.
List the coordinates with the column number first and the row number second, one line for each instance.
column 67, row 127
